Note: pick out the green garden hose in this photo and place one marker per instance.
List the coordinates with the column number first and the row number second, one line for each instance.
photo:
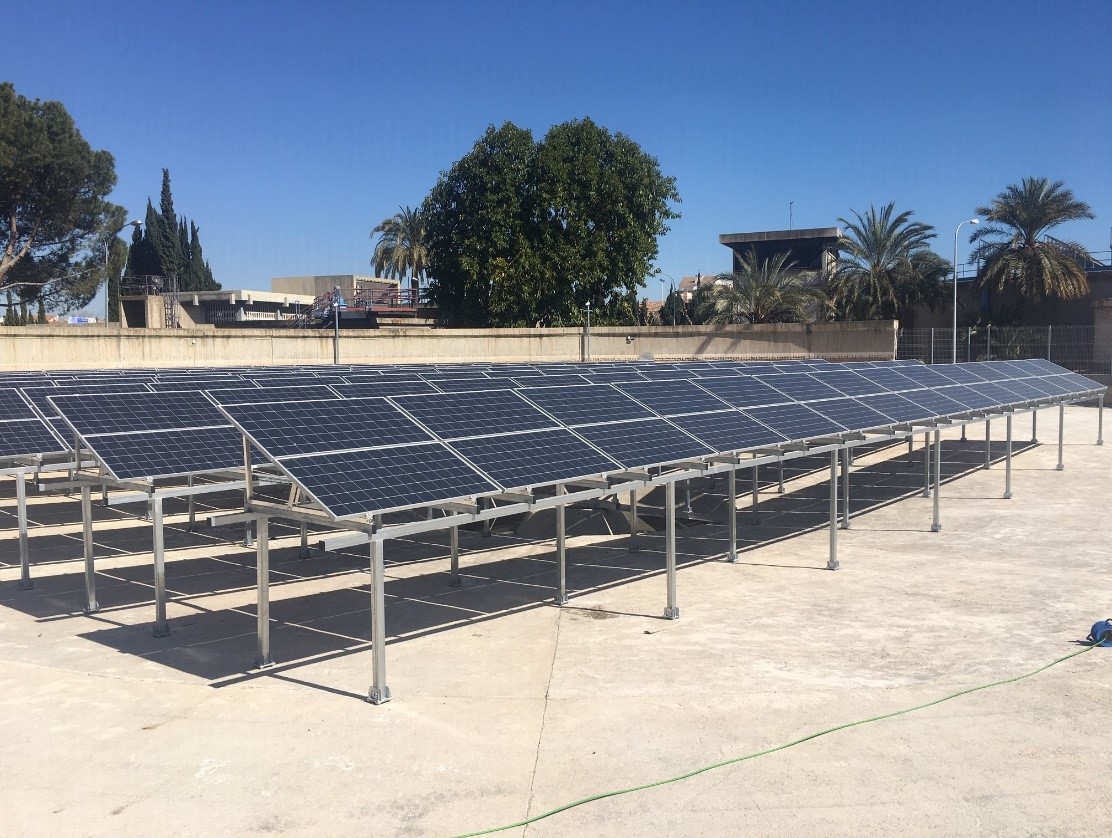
column 755, row 754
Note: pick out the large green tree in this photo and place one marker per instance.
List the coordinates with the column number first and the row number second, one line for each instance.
column 402, row 248
column 523, row 233
column 53, row 189
column 885, row 266
column 769, row 290
column 169, row 245
column 1016, row 250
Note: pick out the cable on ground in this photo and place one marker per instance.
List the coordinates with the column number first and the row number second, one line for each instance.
column 785, row 746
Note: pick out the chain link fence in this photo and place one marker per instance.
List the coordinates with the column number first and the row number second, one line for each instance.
column 1083, row 349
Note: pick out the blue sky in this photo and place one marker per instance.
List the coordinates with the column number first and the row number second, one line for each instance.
column 291, row 129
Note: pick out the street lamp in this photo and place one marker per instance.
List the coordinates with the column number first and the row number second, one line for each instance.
column 108, row 277
column 587, row 347
column 958, row 228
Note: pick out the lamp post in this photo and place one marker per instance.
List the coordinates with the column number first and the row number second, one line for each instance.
column 587, row 347
column 108, row 277
column 336, row 327
column 956, row 230
column 673, row 290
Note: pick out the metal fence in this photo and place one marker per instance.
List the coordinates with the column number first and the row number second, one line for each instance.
column 1083, row 349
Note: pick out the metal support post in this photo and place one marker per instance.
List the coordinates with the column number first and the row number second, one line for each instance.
column 731, row 512
column 845, row 489
column 1049, row 333
column 988, row 444
column 832, row 563
column 561, row 552
column 927, row 465
column 25, row 583
column 1008, row 458
column 687, row 496
column 91, row 605
column 488, row 524
column 633, row 544
column 454, row 579
column 1034, row 427
column 910, row 448
column 161, row 626
column 192, row 505
column 988, row 342
column 379, row 692
column 780, row 476
column 1061, row 436
column 755, row 492
column 1100, row 419
column 932, row 344
column 303, row 553
column 672, row 611
column 262, row 572
column 936, row 525
column 248, row 540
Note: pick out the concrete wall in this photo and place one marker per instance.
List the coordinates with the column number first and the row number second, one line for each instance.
column 46, row 347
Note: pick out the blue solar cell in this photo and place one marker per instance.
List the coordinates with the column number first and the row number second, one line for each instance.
column 729, row 430
column 534, row 458
column 795, row 421
column 38, row 395
column 890, row 379
column 290, row 428
column 644, row 442
column 743, row 391
column 800, row 386
column 459, row 415
column 672, row 398
column 1081, row 384
column 168, row 453
column 24, row 437
column 355, row 483
column 924, row 375
column 568, row 380
column 959, row 373
column 471, row 385
column 185, row 382
column 945, row 401
column 127, row 412
column 588, row 405
column 613, row 376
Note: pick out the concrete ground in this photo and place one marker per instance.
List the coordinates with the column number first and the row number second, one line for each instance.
column 506, row 706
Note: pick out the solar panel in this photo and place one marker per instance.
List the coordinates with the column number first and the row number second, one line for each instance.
column 1080, row 383
column 588, row 405
column 24, row 437
column 729, row 430
column 470, row 385
column 890, row 379
column 999, row 393
column 127, row 412
column 384, row 387
column 959, row 373
column 38, row 395
column 743, row 391
column 899, row 408
column 351, row 483
column 849, row 382
column 613, row 376
column 287, row 381
column 267, row 395
column 672, row 398
column 185, row 382
column 925, row 376
column 566, row 380
column 852, row 414
column 12, row 406
column 795, row 421
column 800, row 386
column 533, row 458
column 290, row 428
column 946, row 401
column 458, row 415
column 168, row 453
column 644, row 442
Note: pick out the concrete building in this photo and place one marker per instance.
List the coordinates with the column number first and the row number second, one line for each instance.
column 813, row 249
column 319, row 285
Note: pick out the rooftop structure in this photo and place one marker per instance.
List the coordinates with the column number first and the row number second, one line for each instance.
column 813, row 249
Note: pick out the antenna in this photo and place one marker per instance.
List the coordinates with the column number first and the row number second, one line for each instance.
column 790, row 204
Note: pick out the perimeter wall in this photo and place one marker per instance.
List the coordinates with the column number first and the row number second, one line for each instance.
column 73, row 347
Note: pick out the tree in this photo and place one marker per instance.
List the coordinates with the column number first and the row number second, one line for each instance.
column 1015, row 247
column 53, row 187
column 170, row 245
column 524, row 233
column 402, row 248
column 885, row 266
column 768, row 290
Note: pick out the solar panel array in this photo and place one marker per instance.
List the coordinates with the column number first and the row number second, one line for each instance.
column 363, row 440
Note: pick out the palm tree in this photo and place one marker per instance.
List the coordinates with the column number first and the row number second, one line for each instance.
column 402, row 248
column 885, row 266
column 1016, row 250
column 770, row 290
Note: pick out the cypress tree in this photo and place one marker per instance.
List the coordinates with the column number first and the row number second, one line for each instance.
column 171, row 256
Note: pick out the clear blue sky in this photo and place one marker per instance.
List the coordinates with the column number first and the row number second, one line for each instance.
column 291, row 129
